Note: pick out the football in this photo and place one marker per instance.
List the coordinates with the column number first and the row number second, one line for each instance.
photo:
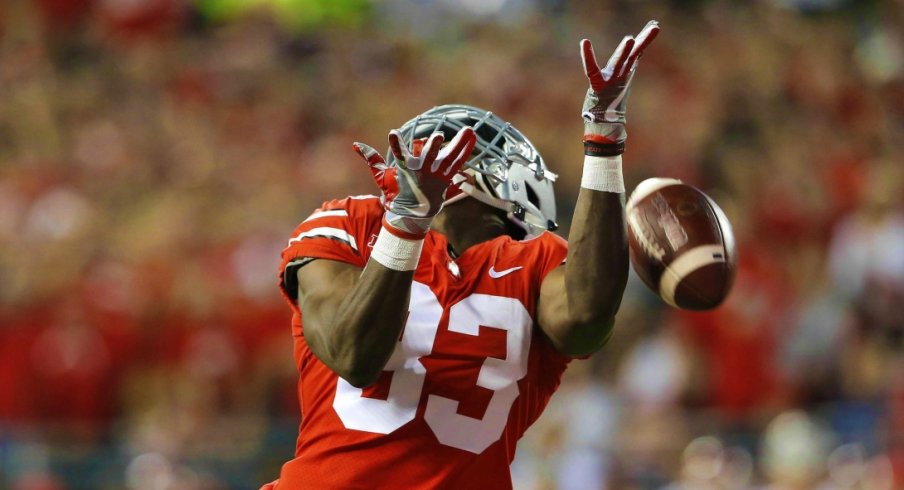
column 681, row 244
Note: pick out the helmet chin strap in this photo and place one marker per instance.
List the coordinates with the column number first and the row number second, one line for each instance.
column 466, row 188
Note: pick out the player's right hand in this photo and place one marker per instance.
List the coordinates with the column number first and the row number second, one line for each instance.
column 415, row 188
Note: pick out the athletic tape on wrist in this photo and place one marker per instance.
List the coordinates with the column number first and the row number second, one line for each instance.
column 398, row 254
column 603, row 174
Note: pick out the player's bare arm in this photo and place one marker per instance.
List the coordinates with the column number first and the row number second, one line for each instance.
column 579, row 300
column 349, row 326
column 354, row 318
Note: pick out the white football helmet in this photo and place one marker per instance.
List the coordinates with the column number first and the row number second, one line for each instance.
column 506, row 171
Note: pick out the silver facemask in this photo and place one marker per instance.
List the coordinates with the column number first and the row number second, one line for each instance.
column 506, row 171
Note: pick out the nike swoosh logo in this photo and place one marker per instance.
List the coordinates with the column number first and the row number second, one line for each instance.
column 611, row 115
column 423, row 206
column 496, row 275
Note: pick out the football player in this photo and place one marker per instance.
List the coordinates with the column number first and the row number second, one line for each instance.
column 433, row 323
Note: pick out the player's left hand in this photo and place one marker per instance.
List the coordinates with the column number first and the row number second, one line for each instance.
column 605, row 102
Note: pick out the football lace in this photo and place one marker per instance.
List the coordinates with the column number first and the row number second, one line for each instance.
column 644, row 238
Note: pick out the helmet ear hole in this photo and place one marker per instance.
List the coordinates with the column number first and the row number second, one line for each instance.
column 532, row 196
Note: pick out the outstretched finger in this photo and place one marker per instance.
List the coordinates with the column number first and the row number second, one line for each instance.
column 619, row 56
column 372, row 157
column 377, row 165
column 431, row 150
column 398, row 147
column 463, row 140
column 470, row 140
column 644, row 39
column 591, row 68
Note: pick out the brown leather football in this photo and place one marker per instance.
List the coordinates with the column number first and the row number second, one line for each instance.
column 681, row 244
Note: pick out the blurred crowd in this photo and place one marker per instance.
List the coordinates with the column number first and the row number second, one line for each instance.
column 156, row 154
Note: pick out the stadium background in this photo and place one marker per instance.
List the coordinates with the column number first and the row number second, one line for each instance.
column 155, row 155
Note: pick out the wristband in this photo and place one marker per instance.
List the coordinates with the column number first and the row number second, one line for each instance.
column 405, row 227
column 597, row 149
column 398, row 254
column 603, row 174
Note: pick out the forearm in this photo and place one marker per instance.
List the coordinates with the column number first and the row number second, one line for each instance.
column 354, row 325
column 578, row 302
column 598, row 253
column 367, row 324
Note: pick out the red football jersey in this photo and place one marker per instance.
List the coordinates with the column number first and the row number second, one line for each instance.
column 469, row 375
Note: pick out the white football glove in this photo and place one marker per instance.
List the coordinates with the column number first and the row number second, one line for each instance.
column 605, row 102
column 414, row 190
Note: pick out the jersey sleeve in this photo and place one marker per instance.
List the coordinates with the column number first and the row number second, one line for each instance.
column 339, row 230
column 551, row 253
